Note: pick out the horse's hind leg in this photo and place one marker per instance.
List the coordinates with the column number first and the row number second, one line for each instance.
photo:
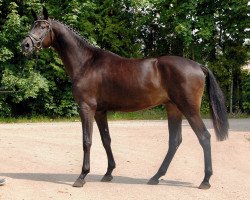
column 175, row 139
column 102, row 123
column 204, row 138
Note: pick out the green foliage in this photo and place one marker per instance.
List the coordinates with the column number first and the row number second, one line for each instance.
column 211, row 32
column 47, row 89
column 246, row 91
column 214, row 33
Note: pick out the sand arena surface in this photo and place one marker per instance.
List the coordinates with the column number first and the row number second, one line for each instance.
column 42, row 161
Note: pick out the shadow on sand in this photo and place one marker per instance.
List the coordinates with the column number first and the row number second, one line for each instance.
column 68, row 179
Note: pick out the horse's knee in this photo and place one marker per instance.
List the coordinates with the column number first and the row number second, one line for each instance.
column 179, row 141
column 106, row 141
column 176, row 143
column 204, row 138
column 86, row 146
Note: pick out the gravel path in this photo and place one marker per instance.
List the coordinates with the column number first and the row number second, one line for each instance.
column 42, row 160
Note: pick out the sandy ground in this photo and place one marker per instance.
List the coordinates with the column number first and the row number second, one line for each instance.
column 42, row 160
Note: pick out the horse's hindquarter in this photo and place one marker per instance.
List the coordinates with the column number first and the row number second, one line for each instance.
column 184, row 79
column 130, row 85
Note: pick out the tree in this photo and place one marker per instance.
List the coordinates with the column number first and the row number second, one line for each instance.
column 46, row 90
column 212, row 32
column 246, row 90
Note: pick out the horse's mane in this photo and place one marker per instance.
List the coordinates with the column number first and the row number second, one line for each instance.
column 76, row 33
column 81, row 40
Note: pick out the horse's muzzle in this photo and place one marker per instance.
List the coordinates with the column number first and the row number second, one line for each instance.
column 27, row 46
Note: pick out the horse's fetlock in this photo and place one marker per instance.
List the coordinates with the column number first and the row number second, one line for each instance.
column 161, row 173
column 85, row 169
column 113, row 166
column 209, row 172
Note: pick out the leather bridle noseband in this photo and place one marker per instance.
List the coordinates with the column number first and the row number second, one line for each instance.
column 38, row 41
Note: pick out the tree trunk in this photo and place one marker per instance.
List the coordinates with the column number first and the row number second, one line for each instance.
column 231, row 93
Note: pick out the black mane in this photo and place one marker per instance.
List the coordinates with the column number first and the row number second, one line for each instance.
column 80, row 39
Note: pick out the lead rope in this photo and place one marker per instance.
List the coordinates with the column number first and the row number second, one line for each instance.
column 3, row 90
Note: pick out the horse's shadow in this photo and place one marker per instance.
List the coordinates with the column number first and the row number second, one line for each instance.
column 68, row 179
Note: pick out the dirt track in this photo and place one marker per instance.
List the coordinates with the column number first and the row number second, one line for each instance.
column 42, row 160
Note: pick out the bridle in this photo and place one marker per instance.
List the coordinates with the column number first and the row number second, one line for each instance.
column 38, row 41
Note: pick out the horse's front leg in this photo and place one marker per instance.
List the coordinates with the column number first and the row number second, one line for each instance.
column 87, row 115
column 102, row 123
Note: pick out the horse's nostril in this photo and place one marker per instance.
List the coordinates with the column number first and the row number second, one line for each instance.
column 26, row 45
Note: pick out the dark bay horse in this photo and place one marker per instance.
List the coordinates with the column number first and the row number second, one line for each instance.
column 103, row 81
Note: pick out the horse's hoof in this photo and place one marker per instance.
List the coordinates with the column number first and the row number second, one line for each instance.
column 153, row 181
column 107, row 178
column 204, row 186
column 2, row 182
column 79, row 183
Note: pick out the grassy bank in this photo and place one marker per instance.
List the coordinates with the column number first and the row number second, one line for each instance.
column 151, row 114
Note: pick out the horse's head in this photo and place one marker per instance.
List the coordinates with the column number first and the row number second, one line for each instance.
column 41, row 34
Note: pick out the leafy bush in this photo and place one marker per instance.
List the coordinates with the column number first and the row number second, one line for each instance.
column 215, row 36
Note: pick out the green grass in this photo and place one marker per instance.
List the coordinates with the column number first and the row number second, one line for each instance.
column 238, row 115
column 37, row 119
column 151, row 114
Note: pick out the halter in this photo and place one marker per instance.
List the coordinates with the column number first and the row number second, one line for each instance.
column 38, row 41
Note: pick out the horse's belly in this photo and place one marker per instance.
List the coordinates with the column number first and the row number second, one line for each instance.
column 133, row 102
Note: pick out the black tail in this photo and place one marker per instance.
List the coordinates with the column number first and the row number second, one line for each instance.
column 217, row 106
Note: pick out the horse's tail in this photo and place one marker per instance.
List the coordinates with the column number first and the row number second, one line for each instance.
column 217, row 106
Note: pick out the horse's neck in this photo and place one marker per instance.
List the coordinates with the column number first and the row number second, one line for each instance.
column 73, row 54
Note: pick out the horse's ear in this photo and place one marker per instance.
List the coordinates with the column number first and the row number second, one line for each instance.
column 34, row 14
column 45, row 13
